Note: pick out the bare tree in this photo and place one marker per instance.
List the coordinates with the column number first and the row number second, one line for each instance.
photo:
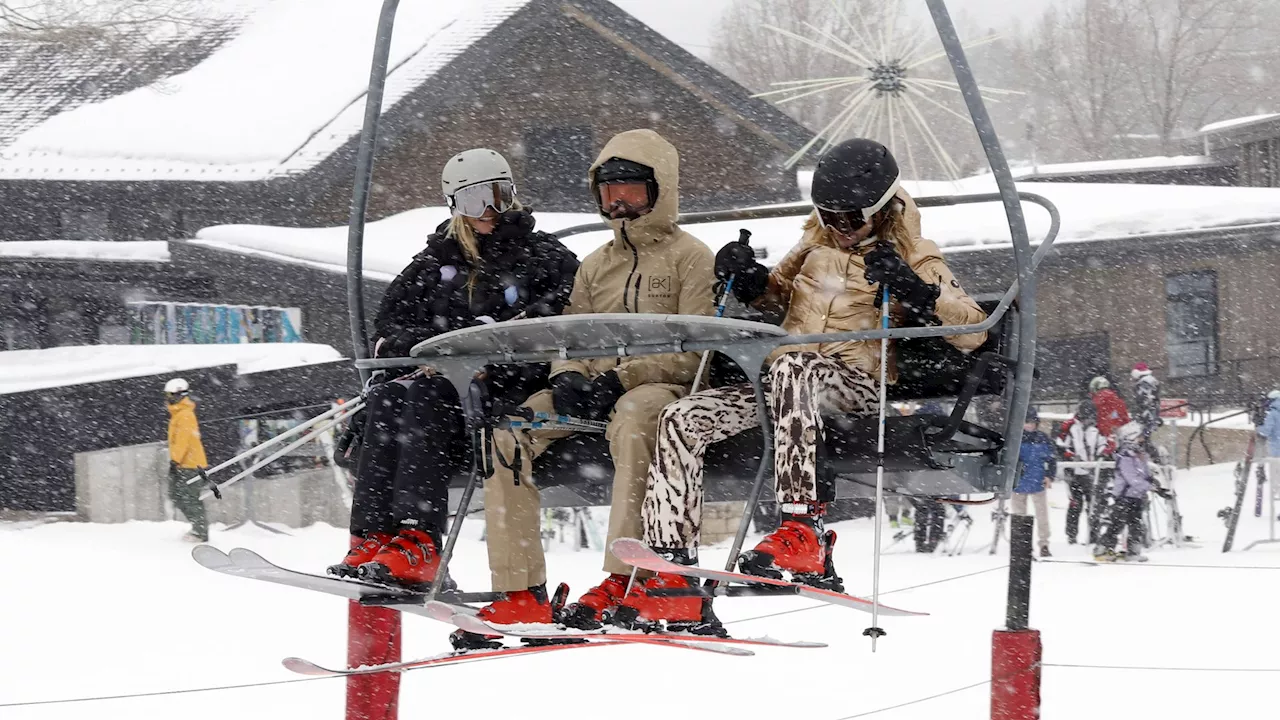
column 1187, row 59
column 122, row 26
column 1078, row 60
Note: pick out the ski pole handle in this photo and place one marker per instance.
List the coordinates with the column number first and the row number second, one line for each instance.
column 706, row 356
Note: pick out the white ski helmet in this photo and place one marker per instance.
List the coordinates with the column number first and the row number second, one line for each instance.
column 1099, row 383
column 177, row 386
column 471, row 167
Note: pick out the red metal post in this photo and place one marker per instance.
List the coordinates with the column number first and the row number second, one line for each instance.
column 1015, row 675
column 1016, row 650
column 373, row 638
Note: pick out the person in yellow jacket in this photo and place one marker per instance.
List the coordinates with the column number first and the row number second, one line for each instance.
column 650, row 266
column 186, row 455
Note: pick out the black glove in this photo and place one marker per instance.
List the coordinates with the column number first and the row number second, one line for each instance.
column 884, row 266
column 605, row 392
column 738, row 260
column 513, row 225
column 571, row 394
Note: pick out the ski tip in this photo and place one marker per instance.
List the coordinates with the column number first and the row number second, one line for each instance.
column 210, row 556
column 245, row 556
column 442, row 612
column 304, row 667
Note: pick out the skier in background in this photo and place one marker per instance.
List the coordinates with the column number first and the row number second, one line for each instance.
column 1112, row 412
column 1132, row 483
column 1270, row 429
column 1146, row 401
column 186, row 456
column 1039, row 465
column 1081, row 442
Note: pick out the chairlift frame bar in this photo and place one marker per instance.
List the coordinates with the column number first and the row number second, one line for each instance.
column 1023, row 289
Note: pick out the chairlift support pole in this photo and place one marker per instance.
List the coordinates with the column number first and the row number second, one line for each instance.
column 373, row 633
column 1007, row 646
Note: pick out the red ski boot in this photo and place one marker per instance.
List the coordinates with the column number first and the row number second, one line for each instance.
column 587, row 613
column 359, row 555
column 519, row 607
column 409, row 560
column 666, row 599
column 799, row 547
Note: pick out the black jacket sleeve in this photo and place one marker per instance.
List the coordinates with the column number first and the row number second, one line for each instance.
column 418, row 304
column 553, row 278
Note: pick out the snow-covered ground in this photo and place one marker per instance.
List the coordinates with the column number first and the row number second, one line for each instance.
column 95, row 610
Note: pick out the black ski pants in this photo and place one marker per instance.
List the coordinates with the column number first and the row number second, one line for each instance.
column 931, row 519
column 1098, row 505
column 414, row 443
column 187, row 499
column 1081, row 491
column 1127, row 511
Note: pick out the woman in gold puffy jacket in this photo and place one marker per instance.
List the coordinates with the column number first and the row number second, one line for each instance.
column 864, row 235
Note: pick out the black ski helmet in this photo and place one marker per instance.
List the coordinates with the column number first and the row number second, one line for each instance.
column 858, row 175
column 618, row 169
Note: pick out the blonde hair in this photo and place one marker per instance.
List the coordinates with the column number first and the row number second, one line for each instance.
column 892, row 225
column 461, row 231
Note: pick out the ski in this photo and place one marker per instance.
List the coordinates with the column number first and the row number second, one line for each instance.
column 306, row 667
column 709, row 643
column 1242, row 484
column 635, row 553
column 244, row 563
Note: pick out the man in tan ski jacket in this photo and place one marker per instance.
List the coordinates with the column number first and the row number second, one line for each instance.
column 650, row 266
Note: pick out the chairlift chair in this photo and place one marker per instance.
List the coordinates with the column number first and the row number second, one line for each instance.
column 924, row 455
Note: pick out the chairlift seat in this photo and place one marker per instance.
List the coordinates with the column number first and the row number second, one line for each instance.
column 924, row 455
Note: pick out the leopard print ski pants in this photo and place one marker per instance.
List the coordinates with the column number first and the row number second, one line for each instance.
column 800, row 386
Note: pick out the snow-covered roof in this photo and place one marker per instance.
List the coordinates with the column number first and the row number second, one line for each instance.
column 1090, row 212
column 1234, row 123
column 1142, row 164
column 25, row 370
column 132, row 251
column 276, row 100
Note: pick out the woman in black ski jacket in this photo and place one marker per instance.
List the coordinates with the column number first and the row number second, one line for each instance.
column 486, row 264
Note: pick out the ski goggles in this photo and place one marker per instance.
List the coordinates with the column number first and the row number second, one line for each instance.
column 842, row 222
column 472, row 200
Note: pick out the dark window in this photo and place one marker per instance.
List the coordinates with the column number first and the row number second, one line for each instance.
column 556, row 164
column 1066, row 365
column 1191, row 334
column 80, row 224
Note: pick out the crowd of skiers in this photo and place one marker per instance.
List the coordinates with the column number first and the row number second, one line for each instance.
column 488, row 264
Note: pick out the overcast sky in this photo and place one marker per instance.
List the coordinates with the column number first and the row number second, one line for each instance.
column 691, row 22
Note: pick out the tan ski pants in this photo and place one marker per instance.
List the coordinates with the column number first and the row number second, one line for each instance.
column 511, row 510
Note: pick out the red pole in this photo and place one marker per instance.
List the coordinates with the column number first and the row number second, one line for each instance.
column 373, row 638
column 1016, row 651
column 1015, row 675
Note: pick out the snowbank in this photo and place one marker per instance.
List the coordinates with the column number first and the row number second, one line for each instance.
column 288, row 87
column 1090, row 212
column 24, row 370
column 137, row 251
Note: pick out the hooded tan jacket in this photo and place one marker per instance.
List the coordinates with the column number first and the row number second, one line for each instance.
column 823, row 289
column 650, row 266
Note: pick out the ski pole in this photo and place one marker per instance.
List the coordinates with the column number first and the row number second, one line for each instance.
column 302, row 427
column 706, row 356
column 875, row 632
column 217, row 487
